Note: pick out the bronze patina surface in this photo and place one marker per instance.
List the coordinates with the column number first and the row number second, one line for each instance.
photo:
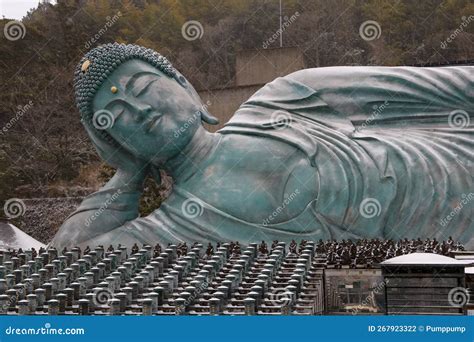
column 327, row 153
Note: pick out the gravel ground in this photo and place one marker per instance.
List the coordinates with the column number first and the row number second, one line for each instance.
column 44, row 216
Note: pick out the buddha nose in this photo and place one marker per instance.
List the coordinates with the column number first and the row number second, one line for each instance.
column 143, row 113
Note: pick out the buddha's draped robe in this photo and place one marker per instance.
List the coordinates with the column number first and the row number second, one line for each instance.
column 399, row 137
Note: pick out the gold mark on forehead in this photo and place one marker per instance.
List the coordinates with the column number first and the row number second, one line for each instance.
column 113, row 89
column 85, row 65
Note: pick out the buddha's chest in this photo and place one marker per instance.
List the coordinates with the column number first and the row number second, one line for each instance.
column 256, row 182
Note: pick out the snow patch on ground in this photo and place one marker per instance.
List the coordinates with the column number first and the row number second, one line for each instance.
column 12, row 237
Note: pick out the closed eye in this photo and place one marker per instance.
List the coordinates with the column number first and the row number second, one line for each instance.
column 117, row 108
column 144, row 89
column 119, row 112
column 139, row 81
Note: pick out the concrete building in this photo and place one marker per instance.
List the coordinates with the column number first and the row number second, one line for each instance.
column 425, row 283
column 254, row 69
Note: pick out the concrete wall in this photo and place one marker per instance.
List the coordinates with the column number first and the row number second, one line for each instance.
column 254, row 68
column 263, row 66
column 223, row 103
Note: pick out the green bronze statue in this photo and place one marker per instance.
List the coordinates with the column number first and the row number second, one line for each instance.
column 328, row 153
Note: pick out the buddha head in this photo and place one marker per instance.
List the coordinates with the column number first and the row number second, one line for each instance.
column 133, row 98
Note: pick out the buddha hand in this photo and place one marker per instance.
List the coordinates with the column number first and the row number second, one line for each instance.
column 119, row 158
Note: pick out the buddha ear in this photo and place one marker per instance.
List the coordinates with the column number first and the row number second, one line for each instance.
column 205, row 115
column 208, row 117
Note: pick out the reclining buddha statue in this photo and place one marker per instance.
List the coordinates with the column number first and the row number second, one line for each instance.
column 324, row 153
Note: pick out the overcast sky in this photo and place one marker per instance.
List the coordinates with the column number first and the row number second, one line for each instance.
column 17, row 9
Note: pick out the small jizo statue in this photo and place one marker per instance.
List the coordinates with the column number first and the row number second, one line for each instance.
column 209, row 250
column 293, row 247
column 135, row 248
column 262, row 248
column 157, row 250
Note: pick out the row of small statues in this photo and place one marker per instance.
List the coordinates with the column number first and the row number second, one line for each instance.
column 368, row 251
column 345, row 252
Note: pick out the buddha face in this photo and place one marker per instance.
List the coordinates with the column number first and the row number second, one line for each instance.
column 148, row 108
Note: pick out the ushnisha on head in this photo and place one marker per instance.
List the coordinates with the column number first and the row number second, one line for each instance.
column 133, row 98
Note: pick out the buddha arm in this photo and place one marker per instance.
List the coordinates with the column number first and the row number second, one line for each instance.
column 105, row 210
column 377, row 93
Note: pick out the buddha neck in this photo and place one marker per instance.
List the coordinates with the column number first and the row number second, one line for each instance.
column 200, row 147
